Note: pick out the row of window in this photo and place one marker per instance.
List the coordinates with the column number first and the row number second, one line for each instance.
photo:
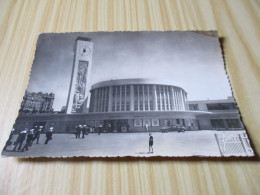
column 99, row 100
column 227, row 123
column 215, row 106
column 145, row 98
column 120, row 98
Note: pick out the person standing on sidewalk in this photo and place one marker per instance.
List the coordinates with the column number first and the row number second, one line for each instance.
column 150, row 143
column 29, row 140
column 84, row 131
column 49, row 135
column 20, row 139
column 100, row 129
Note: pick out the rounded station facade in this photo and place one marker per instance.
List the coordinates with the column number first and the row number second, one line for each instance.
column 128, row 95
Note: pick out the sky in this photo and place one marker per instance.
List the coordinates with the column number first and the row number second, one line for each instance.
column 193, row 60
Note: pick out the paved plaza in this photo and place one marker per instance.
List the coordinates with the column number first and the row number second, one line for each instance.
column 189, row 143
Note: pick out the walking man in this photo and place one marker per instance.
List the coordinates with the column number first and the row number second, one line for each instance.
column 29, row 140
column 49, row 135
column 20, row 139
column 37, row 134
column 78, row 131
column 99, row 129
column 84, row 131
column 150, row 143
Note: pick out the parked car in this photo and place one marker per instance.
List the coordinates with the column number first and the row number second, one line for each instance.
column 165, row 129
column 178, row 128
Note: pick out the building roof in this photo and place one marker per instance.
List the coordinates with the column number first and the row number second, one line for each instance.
column 132, row 81
column 228, row 100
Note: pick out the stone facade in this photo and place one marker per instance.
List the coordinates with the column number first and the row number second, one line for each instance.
column 37, row 102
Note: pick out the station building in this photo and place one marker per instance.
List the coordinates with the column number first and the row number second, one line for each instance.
column 224, row 114
column 130, row 105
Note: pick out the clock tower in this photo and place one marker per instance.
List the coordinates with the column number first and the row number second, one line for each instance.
column 79, row 92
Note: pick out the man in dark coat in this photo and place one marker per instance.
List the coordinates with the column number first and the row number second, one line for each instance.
column 100, row 129
column 78, row 130
column 49, row 135
column 37, row 134
column 20, row 139
column 9, row 142
column 29, row 140
column 150, row 143
column 84, row 131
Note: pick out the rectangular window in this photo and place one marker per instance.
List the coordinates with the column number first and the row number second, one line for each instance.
column 151, row 105
column 217, row 124
column 114, row 92
column 146, row 104
column 127, row 106
column 136, row 90
column 118, row 106
column 118, row 91
column 138, row 123
column 222, row 106
column 114, row 106
column 233, row 123
column 136, row 104
column 155, row 122
column 123, row 91
column 193, row 107
column 127, row 90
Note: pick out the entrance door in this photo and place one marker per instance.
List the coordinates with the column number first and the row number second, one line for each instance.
column 109, row 125
column 117, row 125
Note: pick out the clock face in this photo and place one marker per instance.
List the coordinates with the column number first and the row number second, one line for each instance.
column 84, row 50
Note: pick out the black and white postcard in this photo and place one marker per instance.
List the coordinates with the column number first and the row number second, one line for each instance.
column 139, row 94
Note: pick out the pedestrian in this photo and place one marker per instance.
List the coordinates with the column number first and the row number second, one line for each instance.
column 84, row 131
column 9, row 142
column 75, row 132
column 150, row 143
column 99, row 129
column 79, row 131
column 37, row 134
column 20, row 139
column 109, row 127
column 49, row 135
column 29, row 140
column 146, row 127
column 127, row 127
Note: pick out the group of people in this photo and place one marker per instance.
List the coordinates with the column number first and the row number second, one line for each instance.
column 81, row 129
column 86, row 129
column 27, row 136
